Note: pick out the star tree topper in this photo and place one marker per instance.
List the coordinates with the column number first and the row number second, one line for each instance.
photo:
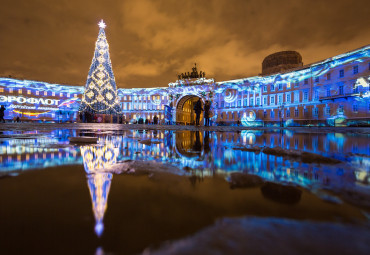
column 102, row 24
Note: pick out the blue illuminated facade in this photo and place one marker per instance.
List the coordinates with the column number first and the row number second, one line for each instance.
column 332, row 92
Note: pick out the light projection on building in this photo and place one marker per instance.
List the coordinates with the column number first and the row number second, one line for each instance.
column 249, row 119
column 315, row 94
column 100, row 94
column 39, row 100
column 95, row 160
column 230, row 95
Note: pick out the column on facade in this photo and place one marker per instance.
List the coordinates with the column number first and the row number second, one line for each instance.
column 248, row 98
column 254, row 97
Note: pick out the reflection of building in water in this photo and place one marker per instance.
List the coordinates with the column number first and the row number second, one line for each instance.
column 33, row 151
column 96, row 159
column 189, row 143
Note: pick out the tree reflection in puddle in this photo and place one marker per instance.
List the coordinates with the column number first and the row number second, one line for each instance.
column 96, row 159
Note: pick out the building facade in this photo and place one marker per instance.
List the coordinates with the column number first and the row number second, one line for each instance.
column 332, row 92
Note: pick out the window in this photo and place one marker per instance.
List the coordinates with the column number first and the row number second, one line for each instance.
column 305, row 96
column 306, row 81
column 296, row 112
column 340, row 89
column 272, row 100
column 296, row 96
column 279, row 99
column 355, row 88
column 288, row 85
column 61, row 94
column 296, row 84
column 315, row 111
column 328, row 76
column 258, row 101
column 265, row 114
column 265, row 100
column 1, row 89
column 288, row 113
column 265, row 88
column 316, row 94
column 341, row 73
column 222, row 104
column 19, row 91
column 305, row 112
column 245, row 102
column 37, row 93
column 340, row 108
column 280, row 86
column 327, row 110
column 45, row 93
column 251, row 101
column 355, row 69
column 317, row 79
column 239, row 103
column 10, row 90
column 355, row 107
column 272, row 87
column 369, row 66
column 328, row 91
column 272, row 114
column 288, row 98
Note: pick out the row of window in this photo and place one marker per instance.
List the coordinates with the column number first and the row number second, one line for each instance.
column 37, row 93
column 128, row 106
column 315, row 112
column 52, row 93
column 288, row 99
column 341, row 73
column 295, row 84
column 143, row 97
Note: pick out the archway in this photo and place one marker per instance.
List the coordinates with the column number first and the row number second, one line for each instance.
column 185, row 110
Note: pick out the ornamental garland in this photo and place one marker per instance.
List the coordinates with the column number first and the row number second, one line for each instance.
column 100, row 94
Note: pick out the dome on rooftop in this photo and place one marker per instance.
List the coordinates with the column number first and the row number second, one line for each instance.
column 281, row 61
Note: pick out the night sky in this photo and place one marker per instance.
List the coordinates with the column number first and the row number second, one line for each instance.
column 153, row 41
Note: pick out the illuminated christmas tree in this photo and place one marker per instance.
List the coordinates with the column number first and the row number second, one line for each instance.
column 100, row 96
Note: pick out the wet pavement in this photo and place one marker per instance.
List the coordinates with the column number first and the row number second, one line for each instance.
column 184, row 190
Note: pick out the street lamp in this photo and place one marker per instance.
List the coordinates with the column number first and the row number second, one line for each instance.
column 282, row 115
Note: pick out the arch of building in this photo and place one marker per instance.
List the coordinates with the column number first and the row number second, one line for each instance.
column 184, row 110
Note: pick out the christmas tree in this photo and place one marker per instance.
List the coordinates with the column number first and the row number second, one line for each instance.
column 100, row 96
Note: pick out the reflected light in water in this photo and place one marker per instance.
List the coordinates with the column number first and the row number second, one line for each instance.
column 96, row 159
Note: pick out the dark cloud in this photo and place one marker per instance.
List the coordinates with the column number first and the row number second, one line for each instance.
column 152, row 41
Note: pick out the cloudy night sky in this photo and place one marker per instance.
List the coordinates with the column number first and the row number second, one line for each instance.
column 153, row 41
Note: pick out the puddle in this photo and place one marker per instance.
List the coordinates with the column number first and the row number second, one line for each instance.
column 155, row 191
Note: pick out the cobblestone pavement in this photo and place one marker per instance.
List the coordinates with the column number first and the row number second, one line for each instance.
column 105, row 126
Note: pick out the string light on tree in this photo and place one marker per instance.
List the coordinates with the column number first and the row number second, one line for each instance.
column 100, row 96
